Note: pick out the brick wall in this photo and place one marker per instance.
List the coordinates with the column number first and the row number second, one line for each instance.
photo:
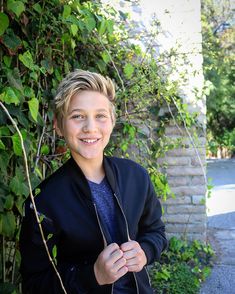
column 185, row 215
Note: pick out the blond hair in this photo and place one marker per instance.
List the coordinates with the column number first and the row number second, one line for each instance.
column 78, row 81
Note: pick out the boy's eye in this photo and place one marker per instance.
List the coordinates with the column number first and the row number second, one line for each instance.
column 78, row 116
column 101, row 115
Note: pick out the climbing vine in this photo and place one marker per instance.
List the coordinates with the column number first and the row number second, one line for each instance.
column 40, row 42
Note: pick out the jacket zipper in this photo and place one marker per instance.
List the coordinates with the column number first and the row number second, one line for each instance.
column 102, row 232
column 128, row 236
column 148, row 276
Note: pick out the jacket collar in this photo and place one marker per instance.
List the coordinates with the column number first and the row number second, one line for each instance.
column 109, row 173
column 81, row 181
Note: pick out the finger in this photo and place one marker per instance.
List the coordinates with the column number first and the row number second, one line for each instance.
column 118, row 269
column 121, row 272
column 132, row 253
column 115, row 256
column 132, row 262
column 128, row 245
column 119, row 264
column 134, row 268
column 111, row 248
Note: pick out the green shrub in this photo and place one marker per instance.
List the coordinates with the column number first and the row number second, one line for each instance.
column 182, row 268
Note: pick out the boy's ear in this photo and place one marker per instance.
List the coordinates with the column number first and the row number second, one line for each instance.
column 56, row 127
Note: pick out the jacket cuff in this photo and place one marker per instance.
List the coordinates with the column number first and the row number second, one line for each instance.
column 148, row 250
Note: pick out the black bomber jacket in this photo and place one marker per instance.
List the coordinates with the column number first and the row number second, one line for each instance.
column 72, row 226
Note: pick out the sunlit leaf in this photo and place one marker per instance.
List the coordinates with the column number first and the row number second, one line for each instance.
column 17, row 148
column 9, row 96
column 45, row 149
column 106, row 57
column 74, row 29
column 54, row 253
column 16, row 6
column 27, row 60
column 67, row 11
column 33, row 107
column 128, row 70
column 102, row 27
column 90, row 23
column 37, row 7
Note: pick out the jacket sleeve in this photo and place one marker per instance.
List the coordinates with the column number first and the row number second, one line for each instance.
column 151, row 235
column 38, row 275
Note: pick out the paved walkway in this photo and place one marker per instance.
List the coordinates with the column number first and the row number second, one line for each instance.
column 221, row 227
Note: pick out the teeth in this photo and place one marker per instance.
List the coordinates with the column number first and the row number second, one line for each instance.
column 89, row 141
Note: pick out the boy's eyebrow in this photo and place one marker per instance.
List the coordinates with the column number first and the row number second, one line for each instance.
column 83, row 110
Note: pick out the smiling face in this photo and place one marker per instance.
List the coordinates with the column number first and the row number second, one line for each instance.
column 87, row 126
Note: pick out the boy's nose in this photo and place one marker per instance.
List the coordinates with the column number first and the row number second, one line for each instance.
column 89, row 125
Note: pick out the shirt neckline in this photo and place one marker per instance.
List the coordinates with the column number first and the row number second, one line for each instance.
column 97, row 184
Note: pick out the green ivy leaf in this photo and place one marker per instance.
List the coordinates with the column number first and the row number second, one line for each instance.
column 106, row 57
column 27, row 60
column 54, row 253
column 8, row 224
column 45, row 149
column 9, row 202
column 102, row 27
column 37, row 191
column 90, row 23
column 4, row 131
column 7, row 60
column 9, row 96
column 41, row 218
column 11, row 41
column 19, row 203
column 73, row 43
column 17, row 148
column 128, row 70
column 4, row 23
column 28, row 92
column 47, row 65
column 66, row 12
column 101, row 65
column 2, row 146
column 74, row 29
column 37, row 7
column 39, row 173
column 14, row 80
column 110, row 24
column 49, row 236
column 16, row 6
column 18, row 186
column 33, row 108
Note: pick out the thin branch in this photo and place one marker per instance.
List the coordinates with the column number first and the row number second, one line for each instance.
column 3, row 260
column 113, row 63
column 172, row 115
column 40, row 141
column 31, row 195
column 191, row 139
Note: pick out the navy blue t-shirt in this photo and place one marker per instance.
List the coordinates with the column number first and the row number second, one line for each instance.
column 103, row 197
